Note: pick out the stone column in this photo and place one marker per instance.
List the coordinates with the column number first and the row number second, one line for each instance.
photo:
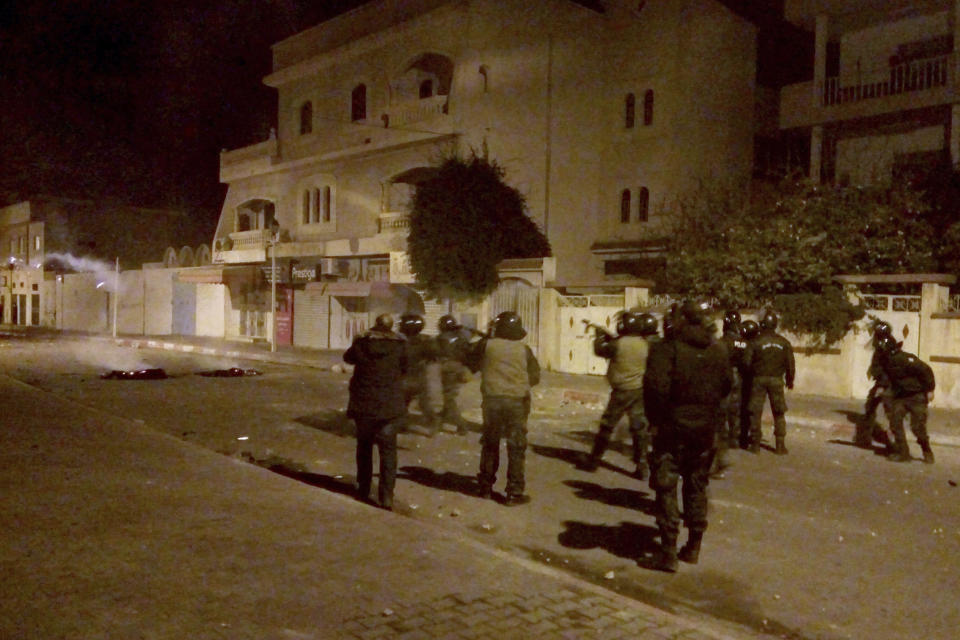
column 819, row 82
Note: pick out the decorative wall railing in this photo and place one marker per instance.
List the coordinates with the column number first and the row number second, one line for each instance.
column 393, row 223
column 953, row 304
column 891, row 303
column 916, row 75
column 596, row 300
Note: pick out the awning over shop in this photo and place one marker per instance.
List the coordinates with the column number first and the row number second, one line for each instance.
column 381, row 296
column 215, row 274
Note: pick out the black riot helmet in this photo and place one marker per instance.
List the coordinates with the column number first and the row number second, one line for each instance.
column 695, row 311
column 888, row 345
column 508, row 325
column 769, row 321
column 628, row 324
column 648, row 324
column 411, row 324
column 670, row 321
column 749, row 330
column 384, row 322
column 448, row 323
column 882, row 330
column 731, row 320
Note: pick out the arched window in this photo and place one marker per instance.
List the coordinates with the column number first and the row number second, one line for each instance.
column 625, row 205
column 358, row 103
column 630, row 111
column 306, row 118
column 483, row 71
column 648, row 108
column 426, row 89
column 305, row 207
column 643, row 204
column 325, row 204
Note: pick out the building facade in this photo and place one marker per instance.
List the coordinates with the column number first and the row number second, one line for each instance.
column 45, row 237
column 883, row 100
column 601, row 114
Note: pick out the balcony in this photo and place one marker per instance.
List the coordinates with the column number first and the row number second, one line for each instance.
column 417, row 111
column 242, row 247
column 916, row 84
column 393, row 222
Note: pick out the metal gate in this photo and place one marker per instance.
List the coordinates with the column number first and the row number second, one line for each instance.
column 576, row 339
column 184, row 308
column 523, row 299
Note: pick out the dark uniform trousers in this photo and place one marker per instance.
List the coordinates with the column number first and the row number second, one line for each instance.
column 730, row 429
column 763, row 387
column 683, row 451
column 629, row 402
column 504, row 417
column 453, row 374
column 915, row 406
column 383, row 433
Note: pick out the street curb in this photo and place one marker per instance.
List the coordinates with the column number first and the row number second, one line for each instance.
column 566, row 394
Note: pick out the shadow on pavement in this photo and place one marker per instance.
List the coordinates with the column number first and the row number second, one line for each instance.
column 625, row 540
column 571, row 456
column 614, row 497
column 285, row 467
column 333, row 422
column 446, row 481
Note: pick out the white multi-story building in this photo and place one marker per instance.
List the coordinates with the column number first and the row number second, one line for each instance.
column 883, row 100
column 600, row 113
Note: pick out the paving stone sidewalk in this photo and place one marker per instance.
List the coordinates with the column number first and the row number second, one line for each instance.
column 112, row 530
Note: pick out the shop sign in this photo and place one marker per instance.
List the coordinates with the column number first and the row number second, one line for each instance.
column 304, row 273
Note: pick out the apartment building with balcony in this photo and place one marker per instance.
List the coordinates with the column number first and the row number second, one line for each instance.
column 600, row 113
column 883, row 98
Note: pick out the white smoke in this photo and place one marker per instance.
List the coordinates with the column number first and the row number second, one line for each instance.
column 81, row 264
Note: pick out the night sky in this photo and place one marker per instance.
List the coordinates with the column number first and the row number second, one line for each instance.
column 135, row 99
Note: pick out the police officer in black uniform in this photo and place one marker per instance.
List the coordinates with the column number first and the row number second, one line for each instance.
column 770, row 359
column 912, row 383
column 423, row 367
column 687, row 379
column 452, row 343
column 880, row 394
column 377, row 404
column 508, row 371
column 627, row 353
column 730, row 427
column 749, row 331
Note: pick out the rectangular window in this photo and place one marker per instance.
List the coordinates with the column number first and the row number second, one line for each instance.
column 305, row 207
column 35, row 309
column 326, row 204
column 315, row 211
column 22, row 244
column 625, row 205
column 36, row 243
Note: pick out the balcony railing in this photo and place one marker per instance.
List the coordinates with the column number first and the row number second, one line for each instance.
column 245, row 240
column 916, row 75
column 410, row 112
column 393, row 222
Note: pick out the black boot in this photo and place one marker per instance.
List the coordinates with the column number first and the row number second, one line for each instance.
column 667, row 560
column 592, row 461
column 690, row 552
column 927, row 452
column 781, row 449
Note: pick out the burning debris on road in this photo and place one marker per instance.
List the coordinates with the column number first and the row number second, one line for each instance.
column 140, row 374
column 232, row 372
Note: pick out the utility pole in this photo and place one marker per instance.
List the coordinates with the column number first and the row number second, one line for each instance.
column 116, row 294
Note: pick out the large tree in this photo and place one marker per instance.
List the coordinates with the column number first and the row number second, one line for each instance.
column 784, row 245
column 464, row 220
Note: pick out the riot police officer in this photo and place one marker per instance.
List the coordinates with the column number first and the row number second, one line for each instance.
column 508, row 371
column 880, row 394
column 423, row 373
column 749, row 331
column 912, row 383
column 771, row 362
column 452, row 343
column 627, row 353
column 685, row 384
column 730, row 427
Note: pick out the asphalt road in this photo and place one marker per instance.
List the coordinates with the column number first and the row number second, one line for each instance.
column 828, row 542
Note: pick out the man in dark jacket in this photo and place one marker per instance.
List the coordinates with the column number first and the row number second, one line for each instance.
column 912, row 384
column 770, row 360
column 377, row 404
column 687, row 379
column 508, row 371
column 627, row 353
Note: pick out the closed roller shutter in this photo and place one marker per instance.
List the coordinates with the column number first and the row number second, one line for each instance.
column 311, row 319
